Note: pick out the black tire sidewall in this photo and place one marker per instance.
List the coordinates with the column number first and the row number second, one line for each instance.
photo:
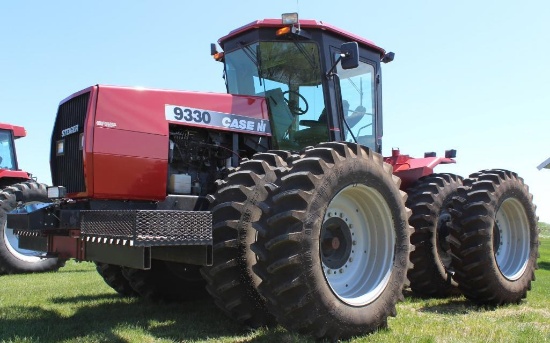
column 443, row 200
column 429, row 266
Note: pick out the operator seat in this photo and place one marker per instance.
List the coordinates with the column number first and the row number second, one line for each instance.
column 281, row 116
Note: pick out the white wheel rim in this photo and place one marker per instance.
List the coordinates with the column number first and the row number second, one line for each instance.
column 12, row 240
column 511, row 241
column 359, row 275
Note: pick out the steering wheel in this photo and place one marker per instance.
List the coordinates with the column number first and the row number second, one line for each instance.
column 295, row 107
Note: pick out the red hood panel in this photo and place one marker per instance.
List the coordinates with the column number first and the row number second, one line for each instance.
column 150, row 110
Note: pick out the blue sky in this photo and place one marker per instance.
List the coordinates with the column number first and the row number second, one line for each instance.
column 467, row 75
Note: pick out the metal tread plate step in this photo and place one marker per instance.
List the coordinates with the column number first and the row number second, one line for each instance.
column 148, row 227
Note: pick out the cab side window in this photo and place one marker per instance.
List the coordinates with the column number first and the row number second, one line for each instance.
column 358, row 102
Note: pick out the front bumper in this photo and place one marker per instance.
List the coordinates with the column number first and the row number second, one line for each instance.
column 148, row 227
column 123, row 237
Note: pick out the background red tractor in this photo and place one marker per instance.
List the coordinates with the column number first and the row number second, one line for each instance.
column 276, row 195
column 18, row 191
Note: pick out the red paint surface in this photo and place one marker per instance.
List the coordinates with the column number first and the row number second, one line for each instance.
column 410, row 169
column 66, row 247
column 129, row 177
column 14, row 174
column 140, row 110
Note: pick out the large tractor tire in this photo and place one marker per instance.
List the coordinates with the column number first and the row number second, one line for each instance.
column 494, row 238
column 166, row 282
column 429, row 200
column 112, row 275
column 334, row 258
column 234, row 206
column 22, row 197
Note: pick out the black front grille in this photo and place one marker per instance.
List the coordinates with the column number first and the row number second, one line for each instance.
column 68, row 166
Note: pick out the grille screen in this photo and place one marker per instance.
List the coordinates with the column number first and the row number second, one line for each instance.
column 67, row 155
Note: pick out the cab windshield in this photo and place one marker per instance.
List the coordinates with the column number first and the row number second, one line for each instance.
column 7, row 157
column 288, row 75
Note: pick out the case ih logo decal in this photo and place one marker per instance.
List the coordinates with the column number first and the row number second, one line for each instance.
column 198, row 117
column 69, row 131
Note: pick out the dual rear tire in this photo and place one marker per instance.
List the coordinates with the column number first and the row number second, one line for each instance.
column 494, row 239
column 477, row 236
column 429, row 200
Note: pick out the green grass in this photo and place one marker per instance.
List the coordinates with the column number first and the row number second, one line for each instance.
column 75, row 305
column 544, row 230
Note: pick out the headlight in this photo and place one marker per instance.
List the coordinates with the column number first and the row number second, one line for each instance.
column 57, row 192
column 60, row 147
column 290, row 18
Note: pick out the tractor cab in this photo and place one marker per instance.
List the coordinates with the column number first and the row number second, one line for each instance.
column 320, row 82
column 8, row 133
column 9, row 170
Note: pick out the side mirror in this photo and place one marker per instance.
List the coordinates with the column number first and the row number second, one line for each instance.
column 349, row 58
column 350, row 55
column 387, row 58
column 213, row 49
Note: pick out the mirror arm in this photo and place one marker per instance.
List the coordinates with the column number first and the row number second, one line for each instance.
column 331, row 72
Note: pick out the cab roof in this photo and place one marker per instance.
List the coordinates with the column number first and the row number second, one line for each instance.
column 304, row 24
column 18, row 131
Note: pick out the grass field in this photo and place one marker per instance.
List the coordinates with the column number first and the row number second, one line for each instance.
column 75, row 305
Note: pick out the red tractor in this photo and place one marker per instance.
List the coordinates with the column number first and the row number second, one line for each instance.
column 18, row 191
column 275, row 196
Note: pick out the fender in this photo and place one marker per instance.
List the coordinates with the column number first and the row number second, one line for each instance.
column 14, row 174
column 410, row 169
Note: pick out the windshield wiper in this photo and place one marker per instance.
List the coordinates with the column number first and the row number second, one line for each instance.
column 309, row 58
column 253, row 56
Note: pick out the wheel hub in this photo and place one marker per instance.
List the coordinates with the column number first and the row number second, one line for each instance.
column 336, row 242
